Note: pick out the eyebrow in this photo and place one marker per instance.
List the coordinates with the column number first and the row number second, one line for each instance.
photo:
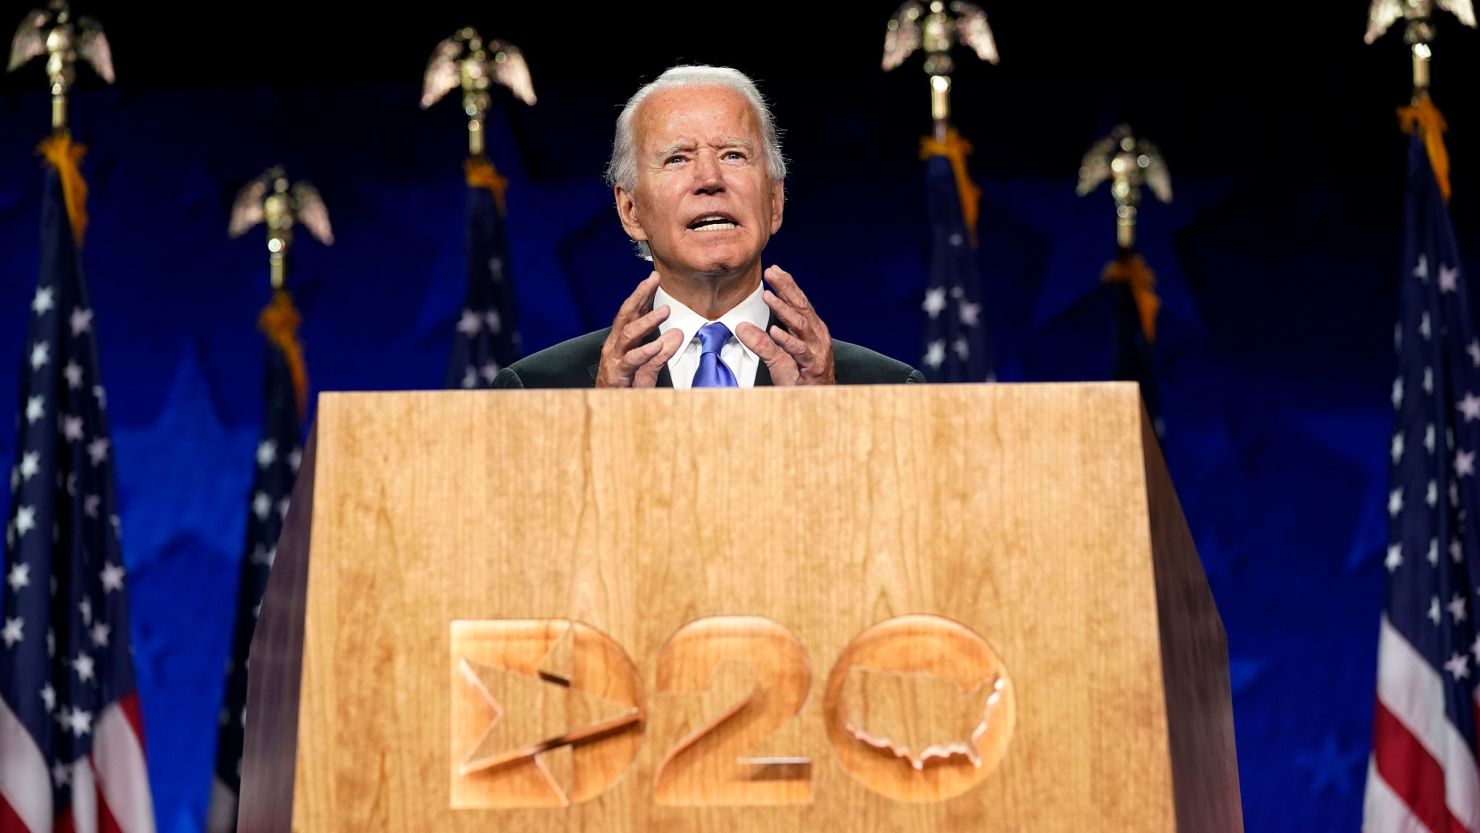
column 689, row 147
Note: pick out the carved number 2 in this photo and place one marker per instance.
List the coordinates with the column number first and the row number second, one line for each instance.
column 728, row 691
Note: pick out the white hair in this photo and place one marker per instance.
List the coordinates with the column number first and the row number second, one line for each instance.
column 622, row 168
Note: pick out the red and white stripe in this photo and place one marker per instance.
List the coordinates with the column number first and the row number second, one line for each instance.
column 110, row 787
column 1422, row 776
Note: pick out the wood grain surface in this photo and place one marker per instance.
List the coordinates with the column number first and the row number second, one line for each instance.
column 1021, row 512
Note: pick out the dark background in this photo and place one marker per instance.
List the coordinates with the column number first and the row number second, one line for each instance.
column 1278, row 264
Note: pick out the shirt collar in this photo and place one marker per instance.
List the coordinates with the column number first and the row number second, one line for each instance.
column 753, row 310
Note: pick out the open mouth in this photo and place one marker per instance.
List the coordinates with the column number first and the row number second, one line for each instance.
column 714, row 222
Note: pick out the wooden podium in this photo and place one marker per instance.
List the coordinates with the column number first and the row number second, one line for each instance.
column 913, row 608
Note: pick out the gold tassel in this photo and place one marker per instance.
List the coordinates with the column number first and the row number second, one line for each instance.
column 1426, row 118
column 1131, row 269
column 482, row 174
column 66, row 157
column 956, row 149
column 279, row 322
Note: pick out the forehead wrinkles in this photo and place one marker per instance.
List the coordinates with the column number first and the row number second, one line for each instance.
column 700, row 116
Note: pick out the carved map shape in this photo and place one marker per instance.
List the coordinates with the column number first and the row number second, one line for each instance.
column 918, row 716
column 539, row 716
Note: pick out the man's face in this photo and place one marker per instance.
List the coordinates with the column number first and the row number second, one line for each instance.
column 704, row 200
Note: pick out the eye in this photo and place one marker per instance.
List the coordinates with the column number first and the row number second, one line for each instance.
column 735, row 155
column 672, row 159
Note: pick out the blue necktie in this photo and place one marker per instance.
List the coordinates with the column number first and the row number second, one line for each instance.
column 712, row 372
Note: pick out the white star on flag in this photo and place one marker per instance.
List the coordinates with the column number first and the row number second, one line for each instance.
column 39, row 355
column 1434, row 610
column 1448, row 278
column 25, row 520
column 12, row 632
column 35, row 409
column 80, row 722
column 1421, row 271
column 60, row 773
column 99, row 635
column 81, row 321
column 1424, row 329
column 282, row 507
column 1428, row 380
column 102, row 397
column 470, row 323
column 970, row 313
column 84, row 607
column 1457, row 608
column 112, row 577
column 1433, row 553
column 1428, row 438
column 83, row 665
column 1394, row 558
column 49, row 695
column 1397, row 392
column 935, row 301
column 1456, row 551
column 1432, row 496
column 20, row 576
column 42, row 302
column 1397, row 447
column 1464, row 463
column 1459, row 666
column 495, row 323
column 90, row 505
column 295, row 457
column 73, row 372
column 31, row 464
column 962, row 347
column 72, row 427
column 935, row 354
column 470, row 378
column 1474, row 351
column 266, row 453
column 261, row 505
column 97, row 450
column 1470, row 406
column 489, row 371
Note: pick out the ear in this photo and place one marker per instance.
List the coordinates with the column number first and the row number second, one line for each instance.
column 778, row 204
column 627, row 213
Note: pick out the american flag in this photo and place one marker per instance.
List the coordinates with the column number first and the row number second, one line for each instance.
column 279, row 451
column 487, row 339
column 1423, row 773
column 71, row 750
column 956, row 344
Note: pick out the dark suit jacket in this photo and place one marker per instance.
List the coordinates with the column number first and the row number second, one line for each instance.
column 572, row 364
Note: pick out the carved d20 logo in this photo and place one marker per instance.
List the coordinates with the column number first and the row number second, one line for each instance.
column 544, row 713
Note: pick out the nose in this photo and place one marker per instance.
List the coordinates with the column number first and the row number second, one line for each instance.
column 708, row 175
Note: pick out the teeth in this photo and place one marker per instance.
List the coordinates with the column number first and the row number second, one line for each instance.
column 716, row 227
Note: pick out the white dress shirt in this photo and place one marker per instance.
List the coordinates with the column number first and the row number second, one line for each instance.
column 739, row 358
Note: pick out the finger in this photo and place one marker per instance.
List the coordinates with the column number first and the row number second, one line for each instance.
column 641, row 296
column 638, row 356
column 799, row 349
column 644, row 325
column 786, row 287
column 796, row 321
column 783, row 367
column 647, row 375
column 760, row 344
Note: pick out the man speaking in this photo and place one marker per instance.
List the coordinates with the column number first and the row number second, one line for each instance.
column 698, row 177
